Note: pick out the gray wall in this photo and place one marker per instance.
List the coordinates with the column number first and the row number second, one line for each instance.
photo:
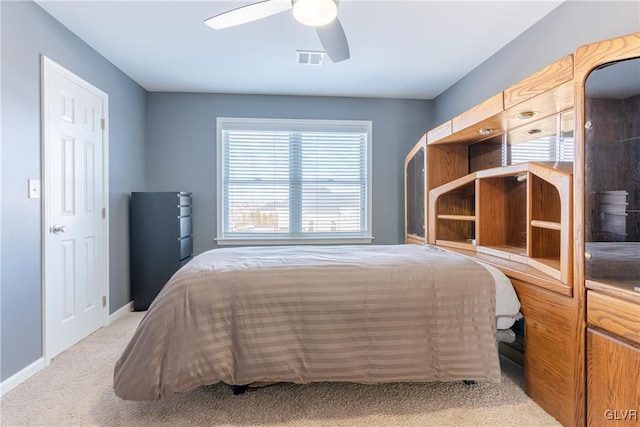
column 570, row 25
column 182, row 146
column 28, row 32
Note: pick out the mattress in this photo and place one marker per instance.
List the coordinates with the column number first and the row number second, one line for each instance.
column 507, row 302
column 366, row 314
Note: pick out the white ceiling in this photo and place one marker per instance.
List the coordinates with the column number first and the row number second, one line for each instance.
column 399, row 49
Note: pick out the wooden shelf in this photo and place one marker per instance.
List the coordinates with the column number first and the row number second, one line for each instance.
column 512, row 253
column 457, row 217
column 507, row 249
column 455, row 184
column 546, row 224
column 499, row 205
column 414, row 240
column 551, row 266
column 464, row 245
column 623, row 289
column 553, row 263
column 517, row 270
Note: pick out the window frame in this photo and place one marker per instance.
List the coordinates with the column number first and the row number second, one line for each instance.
column 292, row 125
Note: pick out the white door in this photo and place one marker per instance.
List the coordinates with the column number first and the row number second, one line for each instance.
column 74, row 220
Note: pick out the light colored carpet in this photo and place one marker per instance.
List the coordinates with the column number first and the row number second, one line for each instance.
column 76, row 390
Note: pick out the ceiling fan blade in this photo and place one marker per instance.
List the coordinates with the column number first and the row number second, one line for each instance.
column 334, row 40
column 248, row 13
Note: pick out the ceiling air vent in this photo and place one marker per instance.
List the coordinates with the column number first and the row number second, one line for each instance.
column 308, row 57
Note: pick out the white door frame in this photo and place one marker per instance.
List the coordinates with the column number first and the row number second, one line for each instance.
column 48, row 66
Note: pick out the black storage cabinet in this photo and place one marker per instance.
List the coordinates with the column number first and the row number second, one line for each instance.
column 161, row 241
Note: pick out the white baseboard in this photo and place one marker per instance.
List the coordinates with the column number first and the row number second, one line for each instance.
column 21, row 376
column 120, row 312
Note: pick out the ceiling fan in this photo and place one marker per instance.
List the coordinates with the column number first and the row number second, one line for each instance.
column 321, row 14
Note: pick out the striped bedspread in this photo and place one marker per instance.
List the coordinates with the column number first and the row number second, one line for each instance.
column 365, row 314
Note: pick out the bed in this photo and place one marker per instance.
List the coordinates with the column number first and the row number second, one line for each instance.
column 365, row 314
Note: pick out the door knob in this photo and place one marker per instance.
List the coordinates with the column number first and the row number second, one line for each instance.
column 57, row 229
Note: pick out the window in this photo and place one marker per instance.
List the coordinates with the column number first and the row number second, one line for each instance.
column 293, row 181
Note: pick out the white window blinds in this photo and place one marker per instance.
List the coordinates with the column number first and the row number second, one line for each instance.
column 293, row 180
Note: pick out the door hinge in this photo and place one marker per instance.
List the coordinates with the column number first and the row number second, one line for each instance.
column 104, row 212
column 104, row 301
column 103, row 123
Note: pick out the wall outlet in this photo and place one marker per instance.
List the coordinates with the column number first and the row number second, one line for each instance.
column 34, row 188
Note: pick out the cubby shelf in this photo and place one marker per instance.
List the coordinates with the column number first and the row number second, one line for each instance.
column 546, row 224
column 520, row 212
column 458, row 217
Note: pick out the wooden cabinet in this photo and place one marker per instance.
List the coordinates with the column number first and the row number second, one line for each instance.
column 550, row 77
column 506, row 198
column 543, row 181
column 613, row 389
column 518, row 218
column 543, row 94
column 613, row 357
column 607, row 193
column 552, row 357
column 161, row 241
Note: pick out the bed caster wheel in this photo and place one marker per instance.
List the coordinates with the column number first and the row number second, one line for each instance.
column 240, row 389
column 468, row 382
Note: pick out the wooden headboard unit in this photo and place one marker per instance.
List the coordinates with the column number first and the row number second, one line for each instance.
column 482, row 199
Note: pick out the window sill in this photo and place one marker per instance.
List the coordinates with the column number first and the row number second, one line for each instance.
column 317, row 241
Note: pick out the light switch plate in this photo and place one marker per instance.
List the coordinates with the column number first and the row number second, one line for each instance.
column 34, row 188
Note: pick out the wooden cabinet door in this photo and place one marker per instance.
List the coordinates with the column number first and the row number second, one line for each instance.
column 551, row 356
column 613, row 384
column 415, row 183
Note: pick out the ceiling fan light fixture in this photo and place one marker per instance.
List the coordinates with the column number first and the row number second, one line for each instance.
column 315, row 13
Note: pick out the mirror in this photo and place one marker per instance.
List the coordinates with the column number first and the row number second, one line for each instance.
column 547, row 140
